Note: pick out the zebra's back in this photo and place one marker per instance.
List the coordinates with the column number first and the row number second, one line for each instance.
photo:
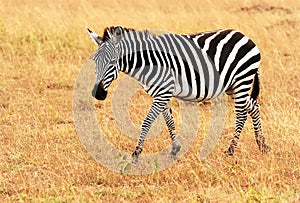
column 211, row 62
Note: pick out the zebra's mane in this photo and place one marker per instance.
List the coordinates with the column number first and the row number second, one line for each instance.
column 153, row 33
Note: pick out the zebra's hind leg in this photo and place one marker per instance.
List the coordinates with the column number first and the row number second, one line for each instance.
column 241, row 117
column 254, row 112
column 167, row 114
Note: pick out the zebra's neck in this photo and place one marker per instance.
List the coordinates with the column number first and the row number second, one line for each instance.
column 137, row 50
column 143, row 58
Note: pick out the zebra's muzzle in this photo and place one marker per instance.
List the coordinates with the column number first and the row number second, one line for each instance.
column 98, row 92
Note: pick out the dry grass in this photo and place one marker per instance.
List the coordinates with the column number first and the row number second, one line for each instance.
column 42, row 47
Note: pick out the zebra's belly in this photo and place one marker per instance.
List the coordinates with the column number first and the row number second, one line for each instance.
column 186, row 94
column 197, row 92
column 192, row 100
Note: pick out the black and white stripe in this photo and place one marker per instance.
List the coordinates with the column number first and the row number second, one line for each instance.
column 194, row 67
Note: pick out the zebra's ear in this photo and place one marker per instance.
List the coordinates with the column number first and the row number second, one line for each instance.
column 95, row 37
column 117, row 34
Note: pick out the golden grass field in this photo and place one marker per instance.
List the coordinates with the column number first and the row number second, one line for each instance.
column 43, row 45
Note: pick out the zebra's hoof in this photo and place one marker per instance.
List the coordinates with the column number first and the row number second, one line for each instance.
column 229, row 152
column 175, row 149
column 135, row 155
column 265, row 149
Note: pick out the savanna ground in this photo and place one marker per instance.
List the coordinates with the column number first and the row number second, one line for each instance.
column 43, row 45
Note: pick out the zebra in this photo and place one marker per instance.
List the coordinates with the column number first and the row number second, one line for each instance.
column 189, row 67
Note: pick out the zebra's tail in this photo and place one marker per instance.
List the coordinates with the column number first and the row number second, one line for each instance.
column 255, row 90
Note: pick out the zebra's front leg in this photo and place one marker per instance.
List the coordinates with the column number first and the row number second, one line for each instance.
column 156, row 108
column 167, row 113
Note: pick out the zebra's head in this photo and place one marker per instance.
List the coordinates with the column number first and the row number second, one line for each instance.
column 106, row 60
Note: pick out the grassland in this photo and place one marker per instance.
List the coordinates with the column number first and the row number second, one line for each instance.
column 43, row 45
